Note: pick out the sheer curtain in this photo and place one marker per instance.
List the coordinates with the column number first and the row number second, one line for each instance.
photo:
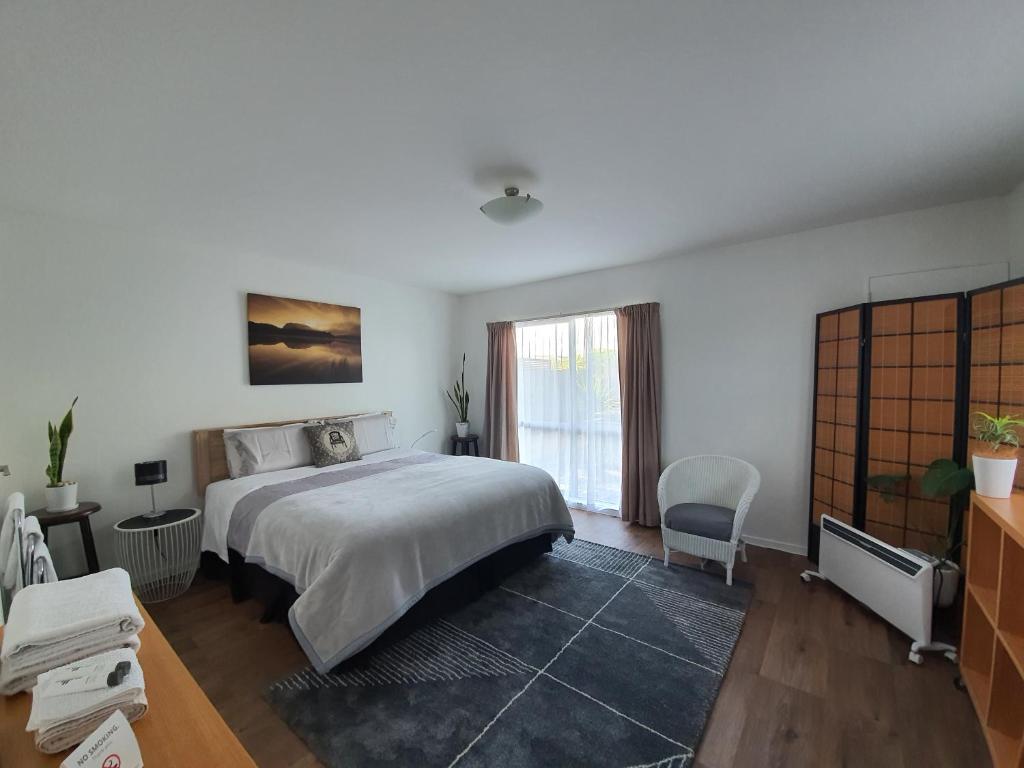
column 568, row 406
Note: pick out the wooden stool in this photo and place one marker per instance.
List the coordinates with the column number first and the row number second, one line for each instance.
column 80, row 515
column 467, row 442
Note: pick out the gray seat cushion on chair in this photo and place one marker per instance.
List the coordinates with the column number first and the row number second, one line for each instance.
column 705, row 520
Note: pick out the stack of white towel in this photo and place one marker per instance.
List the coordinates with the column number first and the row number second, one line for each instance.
column 70, row 702
column 55, row 624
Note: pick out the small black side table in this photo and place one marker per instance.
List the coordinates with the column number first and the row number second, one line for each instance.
column 467, row 442
column 80, row 515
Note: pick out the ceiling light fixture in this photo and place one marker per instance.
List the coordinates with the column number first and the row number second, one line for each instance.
column 512, row 208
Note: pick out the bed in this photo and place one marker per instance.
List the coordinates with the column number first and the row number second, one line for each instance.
column 362, row 542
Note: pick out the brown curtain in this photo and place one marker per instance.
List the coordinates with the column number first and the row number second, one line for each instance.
column 500, row 413
column 639, row 327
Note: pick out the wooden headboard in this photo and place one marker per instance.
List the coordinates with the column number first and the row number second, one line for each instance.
column 209, row 459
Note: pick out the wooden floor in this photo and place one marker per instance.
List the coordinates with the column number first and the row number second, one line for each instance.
column 815, row 680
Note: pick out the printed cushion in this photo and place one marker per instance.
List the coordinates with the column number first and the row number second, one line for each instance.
column 332, row 443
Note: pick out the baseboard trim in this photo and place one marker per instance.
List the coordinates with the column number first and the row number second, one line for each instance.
column 782, row 546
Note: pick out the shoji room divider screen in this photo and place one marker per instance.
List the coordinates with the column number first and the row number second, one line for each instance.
column 895, row 384
column 837, row 406
column 996, row 379
column 915, row 348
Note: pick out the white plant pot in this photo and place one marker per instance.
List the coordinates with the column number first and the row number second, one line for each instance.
column 945, row 579
column 62, row 498
column 947, row 584
column 994, row 477
column 461, row 428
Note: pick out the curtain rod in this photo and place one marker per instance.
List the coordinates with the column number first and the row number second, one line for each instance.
column 564, row 314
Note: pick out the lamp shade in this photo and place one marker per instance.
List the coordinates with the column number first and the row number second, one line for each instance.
column 151, row 472
column 512, row 208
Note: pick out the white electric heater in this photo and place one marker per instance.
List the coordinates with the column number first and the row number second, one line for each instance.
column 894, row 583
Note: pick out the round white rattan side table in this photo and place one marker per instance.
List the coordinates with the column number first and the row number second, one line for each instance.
column 160, row 553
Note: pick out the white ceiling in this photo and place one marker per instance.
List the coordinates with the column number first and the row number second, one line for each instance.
column 366, row 134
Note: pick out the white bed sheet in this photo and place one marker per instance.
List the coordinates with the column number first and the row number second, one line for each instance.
column 222, row 495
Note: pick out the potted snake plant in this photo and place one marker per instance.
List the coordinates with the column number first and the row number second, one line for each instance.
column 995, row 458
column 459, row 398
column 61, row 494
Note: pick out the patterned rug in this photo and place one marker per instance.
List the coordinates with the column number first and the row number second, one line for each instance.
column 588, row 656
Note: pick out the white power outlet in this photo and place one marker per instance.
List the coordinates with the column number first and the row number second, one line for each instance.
column 5, row 470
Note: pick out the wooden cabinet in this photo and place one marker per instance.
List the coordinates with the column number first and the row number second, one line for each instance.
column 992, row 646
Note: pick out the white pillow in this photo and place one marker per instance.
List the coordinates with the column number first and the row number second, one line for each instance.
column 374, row 431
column 266, row 449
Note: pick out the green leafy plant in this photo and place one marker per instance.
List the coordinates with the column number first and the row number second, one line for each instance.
column 946, row 478
column 459, row 395
column 888, row 486
column 59, row 437
column 999, row 433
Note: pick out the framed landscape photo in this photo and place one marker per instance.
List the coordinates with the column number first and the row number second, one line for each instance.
column 293, row 341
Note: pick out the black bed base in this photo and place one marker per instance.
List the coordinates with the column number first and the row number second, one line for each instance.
column 276, row 595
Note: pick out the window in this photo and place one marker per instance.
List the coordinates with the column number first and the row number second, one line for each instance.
column 569, row 421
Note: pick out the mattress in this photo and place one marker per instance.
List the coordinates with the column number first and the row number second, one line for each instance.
column 363, row 541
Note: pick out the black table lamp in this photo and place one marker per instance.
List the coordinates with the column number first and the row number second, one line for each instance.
column 150, row 473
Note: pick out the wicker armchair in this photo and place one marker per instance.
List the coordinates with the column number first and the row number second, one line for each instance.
column 703, row 502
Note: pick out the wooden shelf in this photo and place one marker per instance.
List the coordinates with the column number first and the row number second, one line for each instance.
column 1002, row 747
column 1014, row 645
column 987, row 598
column 978, row 686
column 1005, row 725
column 992, row 646
column 976, row 651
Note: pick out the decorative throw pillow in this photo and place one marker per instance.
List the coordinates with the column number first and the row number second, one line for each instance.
column 332, row 443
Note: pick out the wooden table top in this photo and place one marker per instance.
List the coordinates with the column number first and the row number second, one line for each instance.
column 181, row 729
column 83, row 510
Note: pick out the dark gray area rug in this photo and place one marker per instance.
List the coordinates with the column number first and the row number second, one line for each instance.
column 588, row 656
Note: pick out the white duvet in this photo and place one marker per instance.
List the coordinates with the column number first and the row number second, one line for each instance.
column 362, row 552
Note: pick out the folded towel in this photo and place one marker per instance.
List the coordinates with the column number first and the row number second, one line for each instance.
column 54, row 624
column 32, row 538
column 43, row 571
column 16, row 501
column 66, row 736
column 22, row 677
column 11, row 575
column 62, row 719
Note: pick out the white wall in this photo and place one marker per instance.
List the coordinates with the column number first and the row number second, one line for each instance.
column 152, row 337
column 1015, row 202
column 738, row 328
